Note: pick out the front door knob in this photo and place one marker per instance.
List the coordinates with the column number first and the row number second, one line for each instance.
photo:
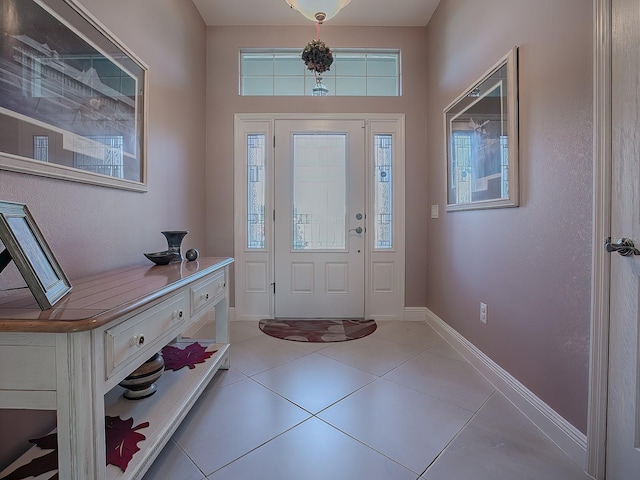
column 623, row 246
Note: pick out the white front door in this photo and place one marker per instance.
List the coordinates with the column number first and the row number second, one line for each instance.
column 623, row 417
column 319, row 218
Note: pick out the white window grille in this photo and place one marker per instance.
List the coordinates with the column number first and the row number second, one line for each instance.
column 99, row 154
column 41, row 148
column 371, row 73
column 504, row 165
column 461, row 165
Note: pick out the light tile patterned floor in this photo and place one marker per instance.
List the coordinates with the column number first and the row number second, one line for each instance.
column 398, row 404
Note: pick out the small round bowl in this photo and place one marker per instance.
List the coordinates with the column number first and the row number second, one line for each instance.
column 162, row 258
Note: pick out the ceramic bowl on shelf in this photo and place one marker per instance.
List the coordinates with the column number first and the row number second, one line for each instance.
column 162, row 258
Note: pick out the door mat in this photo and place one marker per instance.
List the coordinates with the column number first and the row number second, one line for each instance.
column 317, row 330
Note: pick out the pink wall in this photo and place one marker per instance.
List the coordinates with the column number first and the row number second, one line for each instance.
column 223, row 102
column 94, row 228
column 531, row 264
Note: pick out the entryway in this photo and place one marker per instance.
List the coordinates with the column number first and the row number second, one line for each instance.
column 319, row 210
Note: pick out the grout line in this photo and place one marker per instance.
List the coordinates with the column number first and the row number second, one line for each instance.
column 368, row 446
column 444, row 449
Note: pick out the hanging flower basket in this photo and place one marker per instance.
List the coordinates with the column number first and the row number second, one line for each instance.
column 317, row 56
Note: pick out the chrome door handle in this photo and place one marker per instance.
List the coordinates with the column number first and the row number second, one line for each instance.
column 624, row 246
column 357, row 230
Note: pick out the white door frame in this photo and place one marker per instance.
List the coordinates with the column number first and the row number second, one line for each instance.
column 601, row 261
column 254, row 268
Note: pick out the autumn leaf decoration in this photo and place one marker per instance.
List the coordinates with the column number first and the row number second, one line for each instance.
column 38, row 466
column 122, row 440
column 176, row 358
column 122, row 443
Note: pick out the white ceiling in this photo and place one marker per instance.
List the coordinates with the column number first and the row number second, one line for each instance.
column 406, row 13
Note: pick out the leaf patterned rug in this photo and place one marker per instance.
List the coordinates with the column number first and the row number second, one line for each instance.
column 317, row 330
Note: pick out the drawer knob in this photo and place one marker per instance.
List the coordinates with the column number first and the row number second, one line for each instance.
column 177, row 314
column 204, row 296
column 222, row 284
column 137, row 340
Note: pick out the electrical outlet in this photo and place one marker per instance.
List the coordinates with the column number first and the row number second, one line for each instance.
column 483, row 312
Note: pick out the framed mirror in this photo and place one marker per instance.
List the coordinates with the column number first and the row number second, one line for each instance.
column 72, row 97
column 481, row 138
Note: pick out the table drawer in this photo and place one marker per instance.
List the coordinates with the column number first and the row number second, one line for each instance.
column 207, row 292
column 137, row 336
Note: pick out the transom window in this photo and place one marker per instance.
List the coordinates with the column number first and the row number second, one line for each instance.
column 369, row 73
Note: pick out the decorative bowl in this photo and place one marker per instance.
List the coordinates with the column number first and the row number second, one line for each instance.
column 162, row 258
column 141, row 383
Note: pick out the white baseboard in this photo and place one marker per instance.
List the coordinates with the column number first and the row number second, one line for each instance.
column 246, row 318
column 415, row 314
column 571, row 440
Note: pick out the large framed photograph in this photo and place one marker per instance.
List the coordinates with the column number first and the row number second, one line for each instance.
column 481, row 138
column 72, row 97
column 26, row 246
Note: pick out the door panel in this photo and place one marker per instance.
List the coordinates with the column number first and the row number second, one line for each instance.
column 623, row 417
column 319, row 218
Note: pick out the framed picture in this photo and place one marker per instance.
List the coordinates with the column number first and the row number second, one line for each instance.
column 27, row 247
column 481, row 138
column 72, row 97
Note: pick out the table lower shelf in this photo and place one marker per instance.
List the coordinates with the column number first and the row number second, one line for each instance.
column 176, row 394
column 177, row 391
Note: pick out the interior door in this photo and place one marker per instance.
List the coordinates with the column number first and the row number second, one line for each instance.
column 623, row 416
column 319, row 218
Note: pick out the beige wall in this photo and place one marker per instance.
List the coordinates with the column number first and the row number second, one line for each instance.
column 531, row 264
column 95, row 228
column 223, row 101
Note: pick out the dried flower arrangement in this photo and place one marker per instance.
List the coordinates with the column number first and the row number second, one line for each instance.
column 317, row 56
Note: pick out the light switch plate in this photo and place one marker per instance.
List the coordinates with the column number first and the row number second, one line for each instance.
column 434, row 211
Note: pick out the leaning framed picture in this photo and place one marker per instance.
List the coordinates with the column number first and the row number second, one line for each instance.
column 481, row 139
column 26, row 246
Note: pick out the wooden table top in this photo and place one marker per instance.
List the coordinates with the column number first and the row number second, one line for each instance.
column 99, row 299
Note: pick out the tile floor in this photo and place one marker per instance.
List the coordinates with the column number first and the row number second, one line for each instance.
column 398, row 404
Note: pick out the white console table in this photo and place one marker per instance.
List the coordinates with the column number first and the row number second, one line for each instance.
column 71, row 357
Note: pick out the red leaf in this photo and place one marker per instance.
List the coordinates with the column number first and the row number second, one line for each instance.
column 122, row 440
column 35, row 467
column 47, row 442
column 176, row 358
column 43, row 464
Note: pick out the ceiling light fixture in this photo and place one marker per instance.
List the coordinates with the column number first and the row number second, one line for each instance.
column 318, row 10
